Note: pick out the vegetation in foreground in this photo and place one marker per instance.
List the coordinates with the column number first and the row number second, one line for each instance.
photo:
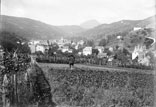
column 88, row 88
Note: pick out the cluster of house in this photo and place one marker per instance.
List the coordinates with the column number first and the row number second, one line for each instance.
column 63, row 44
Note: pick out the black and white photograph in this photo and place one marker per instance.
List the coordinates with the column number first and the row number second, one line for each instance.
column 77, row 53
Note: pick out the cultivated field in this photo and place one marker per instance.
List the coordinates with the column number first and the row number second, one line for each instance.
column 88, row 86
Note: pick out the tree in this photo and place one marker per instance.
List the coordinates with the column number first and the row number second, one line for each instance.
column 95, row 51
column 103, row 42
column 107, row 51
column 11, row 42
column 53, row 48
column 125, row 52
column 90, row 43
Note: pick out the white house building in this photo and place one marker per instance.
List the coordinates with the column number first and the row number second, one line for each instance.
column 65, row 49
column 40, row 48
column 87, row 51
column 136, row 28
column 81, row 42
column 62, row 42
column 140, row 52
column 32, row 48
column 34, row 42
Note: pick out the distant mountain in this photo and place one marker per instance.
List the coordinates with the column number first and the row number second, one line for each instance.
column 90, row 24
column 72, row 30
column 30, row 29
column 117, row 27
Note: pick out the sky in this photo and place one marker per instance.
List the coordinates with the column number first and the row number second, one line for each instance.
column 74, row 12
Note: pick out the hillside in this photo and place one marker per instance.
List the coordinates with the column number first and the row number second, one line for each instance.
column 108, row 29
column 72, row 30
column 117, row 27
column 148, row 22
column 30, row 29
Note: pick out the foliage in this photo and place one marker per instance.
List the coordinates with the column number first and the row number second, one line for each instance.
column 137, row 37
column 121, row 55
column 89, row 43
column 53, row 48
column 95, row 51
column 9, row 42
column 103, row 42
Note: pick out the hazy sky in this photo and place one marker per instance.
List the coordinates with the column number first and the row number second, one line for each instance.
column 70, row 12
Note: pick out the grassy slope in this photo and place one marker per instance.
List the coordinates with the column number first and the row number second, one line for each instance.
column 30, row 29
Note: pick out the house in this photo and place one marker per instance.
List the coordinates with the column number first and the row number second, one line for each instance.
column 77, row 47
column 42, row 48
column 44, row 42
column 81, row 42
column 73, row 43
column 87, row 51
column 62, row 42
column 135, row 53
column 110, row 49
column 140, row 52
column 70, row 51
column 136, row 28
column 34, row 42
column 119, row 37
column 32, row 48
column 52, row 41
column 65, row 49
column 80, row 53
column 143, row 59
column 100, row 49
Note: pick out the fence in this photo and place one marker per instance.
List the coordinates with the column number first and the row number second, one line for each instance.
column 93, row 61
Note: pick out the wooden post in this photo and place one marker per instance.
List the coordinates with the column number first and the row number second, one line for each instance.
column 6, row 102
column 15, row 91
column 3, row 96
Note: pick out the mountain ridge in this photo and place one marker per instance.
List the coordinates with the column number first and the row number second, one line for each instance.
column 29, row 28
column 117, row 27
column 33, row 29
column 90, row 24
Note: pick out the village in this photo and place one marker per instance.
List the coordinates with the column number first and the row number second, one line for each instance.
column 77, row 53
column 64, row 46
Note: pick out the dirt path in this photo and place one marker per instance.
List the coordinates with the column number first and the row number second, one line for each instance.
column 93, row 67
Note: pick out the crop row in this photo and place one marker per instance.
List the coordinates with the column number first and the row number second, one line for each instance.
column 88, row 88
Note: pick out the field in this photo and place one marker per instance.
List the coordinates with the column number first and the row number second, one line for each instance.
column 100, row 87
